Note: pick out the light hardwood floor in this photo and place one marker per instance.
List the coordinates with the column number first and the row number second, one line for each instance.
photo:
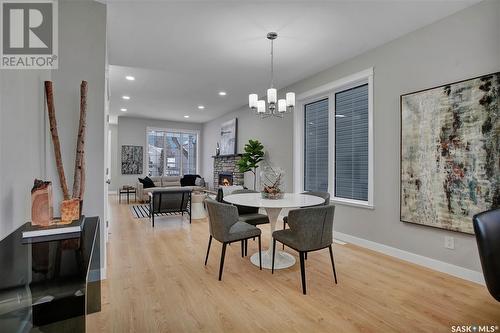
column 157, row 283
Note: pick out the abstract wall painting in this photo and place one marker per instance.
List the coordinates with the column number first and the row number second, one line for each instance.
column 132, row 160
column 450, row 153
column 228, row 137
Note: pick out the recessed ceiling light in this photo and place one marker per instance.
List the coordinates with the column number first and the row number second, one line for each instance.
column 123, row 110
column 222, row 93
column 339, row 116
column 186, row 116
column 130, row 78
column 126, row 97
column 201, row 107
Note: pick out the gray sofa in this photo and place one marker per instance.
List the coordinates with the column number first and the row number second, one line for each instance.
column 162, row 183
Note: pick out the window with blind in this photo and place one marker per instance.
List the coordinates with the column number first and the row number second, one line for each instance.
column 171, row 153
column 351, row 143
column 338, row 159
column 316, row 146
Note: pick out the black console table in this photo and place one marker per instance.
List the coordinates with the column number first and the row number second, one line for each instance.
column 50, row 286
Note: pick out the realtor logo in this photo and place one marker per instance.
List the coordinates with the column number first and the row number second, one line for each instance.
column 28, row 34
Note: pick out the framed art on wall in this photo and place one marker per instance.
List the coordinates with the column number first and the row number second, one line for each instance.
column 450, row 153
column 228, row 132
column 132, row 160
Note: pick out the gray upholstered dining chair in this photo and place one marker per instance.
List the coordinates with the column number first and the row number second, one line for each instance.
column 311, row 229
column 250, row 215
column 324, row 195
column 225, row 227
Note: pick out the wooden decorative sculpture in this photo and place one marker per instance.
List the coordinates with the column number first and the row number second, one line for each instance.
column 41, row 203
column 79, row 174
column 70, row 206
column 55, row 138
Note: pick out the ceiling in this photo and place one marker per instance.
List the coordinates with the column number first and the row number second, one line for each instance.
column 183, row 53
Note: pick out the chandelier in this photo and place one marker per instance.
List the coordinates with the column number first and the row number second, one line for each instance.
column 275, row 107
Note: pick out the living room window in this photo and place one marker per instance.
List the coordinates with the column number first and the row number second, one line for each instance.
column 172, row 152
column 334, row 145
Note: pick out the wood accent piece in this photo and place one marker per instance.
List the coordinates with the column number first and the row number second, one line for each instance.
column 79, row 174
column 70, row 210
column 156, row 281
column 49, row 94
column 42, row 211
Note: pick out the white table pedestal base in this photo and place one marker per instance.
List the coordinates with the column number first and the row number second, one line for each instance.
column 281, row 259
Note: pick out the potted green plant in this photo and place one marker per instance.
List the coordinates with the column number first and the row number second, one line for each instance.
column 253, row 155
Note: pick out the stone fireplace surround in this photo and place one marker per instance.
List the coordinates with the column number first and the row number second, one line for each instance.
column 227, row 164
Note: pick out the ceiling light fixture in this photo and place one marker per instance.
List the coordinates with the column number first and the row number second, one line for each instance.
column 186, row 116
column 130, row 78
column 275, row 107
column 126, row 97
column 201, row 107
column 222, row 93
column 123, row 110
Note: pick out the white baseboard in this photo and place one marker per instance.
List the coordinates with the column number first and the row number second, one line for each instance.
column 440, row 266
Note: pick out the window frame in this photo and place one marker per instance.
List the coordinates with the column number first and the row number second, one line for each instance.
column 328, row 91
column 177, row 131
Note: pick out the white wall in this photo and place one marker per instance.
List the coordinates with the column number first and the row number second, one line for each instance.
column 22, row 135
column 132, row 131
column 82, row 56
column 464, row 45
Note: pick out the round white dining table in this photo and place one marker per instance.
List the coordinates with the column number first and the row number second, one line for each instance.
column 273, row 208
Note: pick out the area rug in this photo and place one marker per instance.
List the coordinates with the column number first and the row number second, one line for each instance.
column 142, row 211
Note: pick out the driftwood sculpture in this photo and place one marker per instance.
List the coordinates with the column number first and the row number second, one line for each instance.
column 55, row 138
column 79, row 174
column 70, row 206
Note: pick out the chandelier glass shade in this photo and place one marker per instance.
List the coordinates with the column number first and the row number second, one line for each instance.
column 274, row 107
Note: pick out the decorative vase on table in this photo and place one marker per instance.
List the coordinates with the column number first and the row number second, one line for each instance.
column 272, row 182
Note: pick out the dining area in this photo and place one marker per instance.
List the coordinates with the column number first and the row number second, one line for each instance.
column 235, row 217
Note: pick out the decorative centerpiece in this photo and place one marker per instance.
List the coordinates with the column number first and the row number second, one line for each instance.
column 272, row 183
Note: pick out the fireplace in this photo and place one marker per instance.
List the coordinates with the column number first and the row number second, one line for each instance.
column 226, row 167
column 225, row 178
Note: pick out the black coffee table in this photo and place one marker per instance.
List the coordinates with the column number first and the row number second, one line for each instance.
column 128, row 192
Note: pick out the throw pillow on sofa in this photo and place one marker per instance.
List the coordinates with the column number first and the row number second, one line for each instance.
column 199, row 182
column 146, row 182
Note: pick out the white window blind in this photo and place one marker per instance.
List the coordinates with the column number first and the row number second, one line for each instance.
column 351, row 143
column 316, row 146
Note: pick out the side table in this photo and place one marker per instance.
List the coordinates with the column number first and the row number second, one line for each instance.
column 197, row 208
column 128, row 191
